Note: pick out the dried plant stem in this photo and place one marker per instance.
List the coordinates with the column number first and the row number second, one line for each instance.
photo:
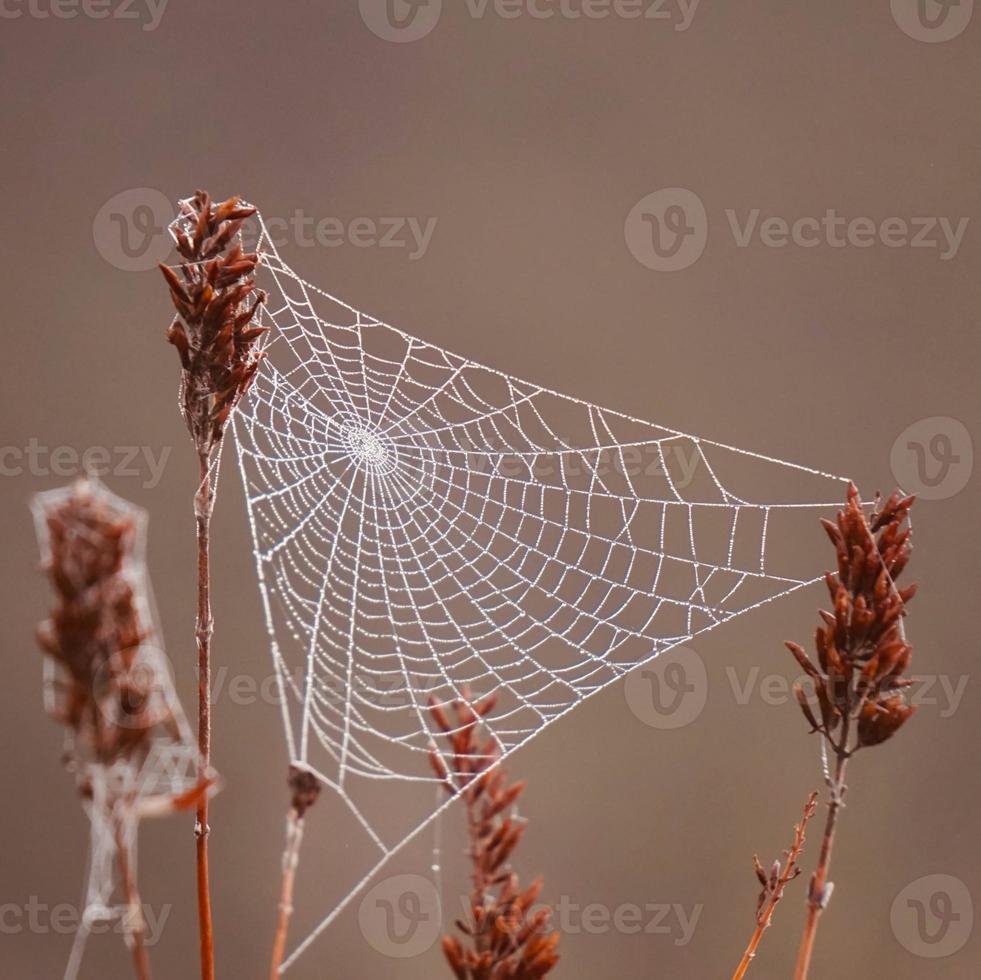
column 863, row 658
column 214, row 294
column 291, row 858
column 773, row 887
column 304, row 792
column 820, row 893
column 136, row 925
column 203, row 506
column 509, row 939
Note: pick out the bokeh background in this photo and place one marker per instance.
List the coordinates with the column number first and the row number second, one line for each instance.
column 529, row 140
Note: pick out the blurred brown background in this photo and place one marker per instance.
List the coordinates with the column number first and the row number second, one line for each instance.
column 529, row 140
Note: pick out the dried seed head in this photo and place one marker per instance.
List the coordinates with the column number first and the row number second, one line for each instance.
column 862, row 653
column 214, row 293
column 95, row 633
column 508, row 940
column 305, row 788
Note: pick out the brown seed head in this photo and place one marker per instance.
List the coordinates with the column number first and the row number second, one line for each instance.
column 213, row 290
column 509, row 939
column 861, row 650
column 94, row 633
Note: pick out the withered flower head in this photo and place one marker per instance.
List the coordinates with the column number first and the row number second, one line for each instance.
column 94, row 633
column 216, row 299
column 305, row 789
column 508, row 937
column 862, row 653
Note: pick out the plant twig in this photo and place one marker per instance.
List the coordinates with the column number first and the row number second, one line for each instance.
column 305, row 791
column 216, row 301
column 510, row 939
column 204, row 628
column 862, row 659
column 95, row 636
column 774, row 885
column 819, row 892
column 135, row 921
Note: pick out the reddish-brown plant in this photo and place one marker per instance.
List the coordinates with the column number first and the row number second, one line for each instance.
column 304, row 792
column 507, row 937
column 94, row 635
column 94, row 631
column 216, row 338
column 774, row 883
column 862, row 658
column 216, row 300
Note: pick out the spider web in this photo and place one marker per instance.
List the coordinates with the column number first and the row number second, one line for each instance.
column 116, row 796
column 425, row 526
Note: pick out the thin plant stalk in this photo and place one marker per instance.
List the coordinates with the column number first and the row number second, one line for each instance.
column 291, row 859
column 862, row 660
column 203, row 507
column 213, row 291
column 774, row 885
column 507, row 935
column 135, row 922
column 819, row 892
column 305, row 790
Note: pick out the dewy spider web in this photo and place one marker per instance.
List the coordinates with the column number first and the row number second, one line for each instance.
column 424, row 525
column 150, row 783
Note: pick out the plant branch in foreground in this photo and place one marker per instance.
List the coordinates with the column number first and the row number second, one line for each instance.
column 213, row 290
column 106, row 693
column 862, row 659
column 508, row 939
column 774, row 884
column 305, row 790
